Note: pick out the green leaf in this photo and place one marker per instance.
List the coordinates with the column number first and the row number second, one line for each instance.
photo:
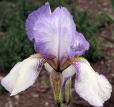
column 112, row 1
column 111, row 17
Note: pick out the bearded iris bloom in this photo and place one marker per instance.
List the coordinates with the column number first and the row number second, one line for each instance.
column 58, row 47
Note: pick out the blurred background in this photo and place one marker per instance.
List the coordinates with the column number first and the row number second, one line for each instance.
column 95, row 18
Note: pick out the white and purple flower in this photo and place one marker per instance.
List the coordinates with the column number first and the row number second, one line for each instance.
column 58, row 46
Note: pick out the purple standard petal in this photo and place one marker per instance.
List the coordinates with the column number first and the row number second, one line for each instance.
column 34, row 17
column 90, row 85
column 55, row 33
column 52, row 32
column 79, row 45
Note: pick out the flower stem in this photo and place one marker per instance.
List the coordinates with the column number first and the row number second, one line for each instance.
column 68, row 91
column 56, row 82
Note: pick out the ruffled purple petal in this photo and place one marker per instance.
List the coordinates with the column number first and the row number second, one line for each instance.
column 55, row 33
column 79, row 45
column 35, row 16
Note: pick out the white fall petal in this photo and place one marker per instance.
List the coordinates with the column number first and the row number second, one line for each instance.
column 69, row 72
column 22, row 75
column 48, row 67
column 90, row 85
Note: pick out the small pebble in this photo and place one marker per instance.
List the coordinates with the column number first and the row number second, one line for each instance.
column 46, row 104
column 102, row 62
column 16, row 97
column 35, row 95
column 112, row 75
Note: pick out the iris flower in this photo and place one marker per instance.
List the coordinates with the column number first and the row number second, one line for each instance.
column 59, row 47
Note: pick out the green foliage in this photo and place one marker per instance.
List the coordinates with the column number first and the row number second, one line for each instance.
column 94, row 52
column 110, row 17
column 112, row 1
column 15, row 45
column 111, row 39
column 7, row 12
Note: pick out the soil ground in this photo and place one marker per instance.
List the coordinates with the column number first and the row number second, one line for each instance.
column 40, row 94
